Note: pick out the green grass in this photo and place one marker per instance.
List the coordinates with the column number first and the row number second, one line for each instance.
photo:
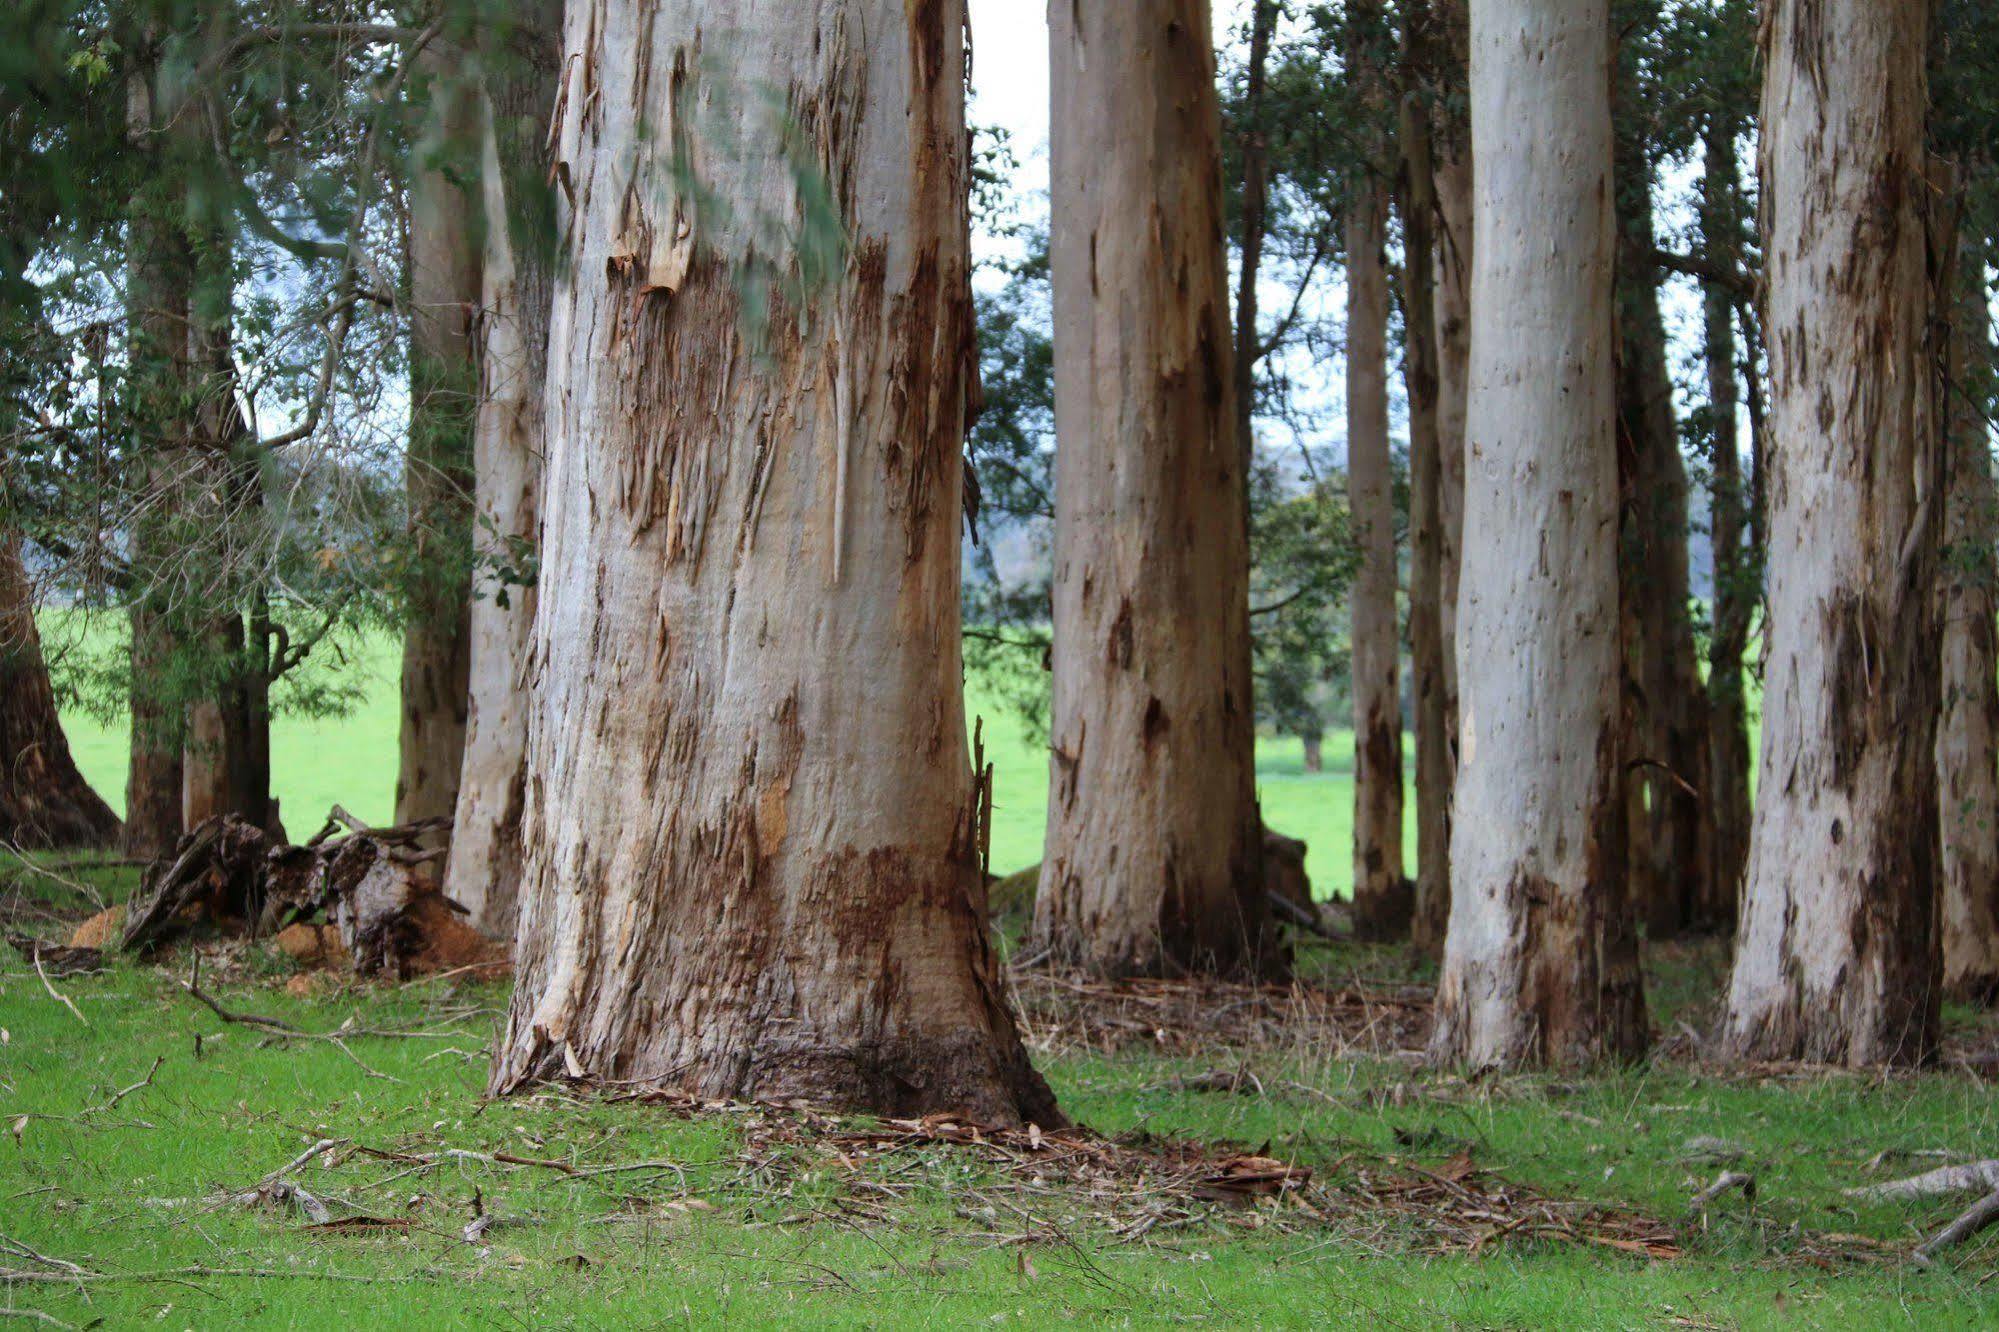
column 757, row 1237
column 351, row 761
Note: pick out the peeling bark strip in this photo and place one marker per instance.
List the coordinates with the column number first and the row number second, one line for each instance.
column 1837, row 957
column 1153, row 853
column 750, row 847
column 1968, row 727
column 484, row 870
column 1381, row 897
column 1541, row 960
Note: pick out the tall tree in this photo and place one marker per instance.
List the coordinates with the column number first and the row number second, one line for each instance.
column 483, row 873
column 1666, row 706
column 752, row 843
column 1737, row 566
column 444, row 277
column 1968, row 725
column 1428, row 645
column 1443, row 55
column 1837, row 958
column 1154, row 849
column 158, row 289
column 44, row 800
column 1541, row 959
column 1380, row 893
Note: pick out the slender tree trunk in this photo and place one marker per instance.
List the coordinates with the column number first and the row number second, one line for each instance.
column 1837, row 959
column 44, row 800
column 444, row 294
column 1427, row 644
column 1736, row 573
column 219, row 507
column 1255, row 206
column 1153, row 851
column 484, row 871
column 1380, row 892
column 1968, row 728
column 1453, row 245
column 1541, row 960
column 158, row 288
column 753, row 837
column 1666, row 749
column 1315, row 753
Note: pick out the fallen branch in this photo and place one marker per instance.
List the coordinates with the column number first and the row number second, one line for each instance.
column 55, row 993
column 49, row 872
column 1972, row 1220
column 123, row 1092
column 1726, row 1180
column 193, row 987
column 1291, row 913
column 1982, row 1176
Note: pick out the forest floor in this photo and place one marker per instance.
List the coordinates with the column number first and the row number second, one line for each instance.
column 1253, row 1157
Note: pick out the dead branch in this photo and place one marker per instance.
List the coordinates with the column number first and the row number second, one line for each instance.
column 1982, row 1176
column 55, row 994
column 1726, row 1180
column 1972, row 1220
column 49, row 872
column 193, row 987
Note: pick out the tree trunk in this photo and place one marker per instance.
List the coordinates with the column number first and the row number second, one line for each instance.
column 1153, row 851
column 1541, row 960
column 1837, row 956
column 44, row 800
column 1736, row 573
column 753, row 835
column 444, row 294
column 1968, row 727
column 483, row 874
column 159, row 282
column 1666, row 749
column 1453, row 245
column 1255, row 207
column 1315, row 753
column 1380, row 892
column 1427, row 644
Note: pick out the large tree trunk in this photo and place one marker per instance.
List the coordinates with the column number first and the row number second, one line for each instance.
column 1453, row 245
column 444, row 294
column 1541, row 959
column 1666, row 748
column 1427, row 643
column 1737, row 577
column 1837, row 956
column 1380, row 892
column 1968, row 727
column 752, row 843
column 483, row 874
column 44, row 800
column 1153, row 851
column 159, row 282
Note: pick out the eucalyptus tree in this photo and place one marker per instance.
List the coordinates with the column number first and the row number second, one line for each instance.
column 1837, row 956
column 752, row 844
column 1540, row 964
column 1154, row 850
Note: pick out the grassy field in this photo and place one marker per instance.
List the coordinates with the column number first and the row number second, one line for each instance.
column 136, row 1121
column 141, row 1124
column 351, row 761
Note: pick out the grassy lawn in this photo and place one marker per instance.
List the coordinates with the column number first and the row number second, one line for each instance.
column 351, row 761
column 756, row 1218
column 137, row 1122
